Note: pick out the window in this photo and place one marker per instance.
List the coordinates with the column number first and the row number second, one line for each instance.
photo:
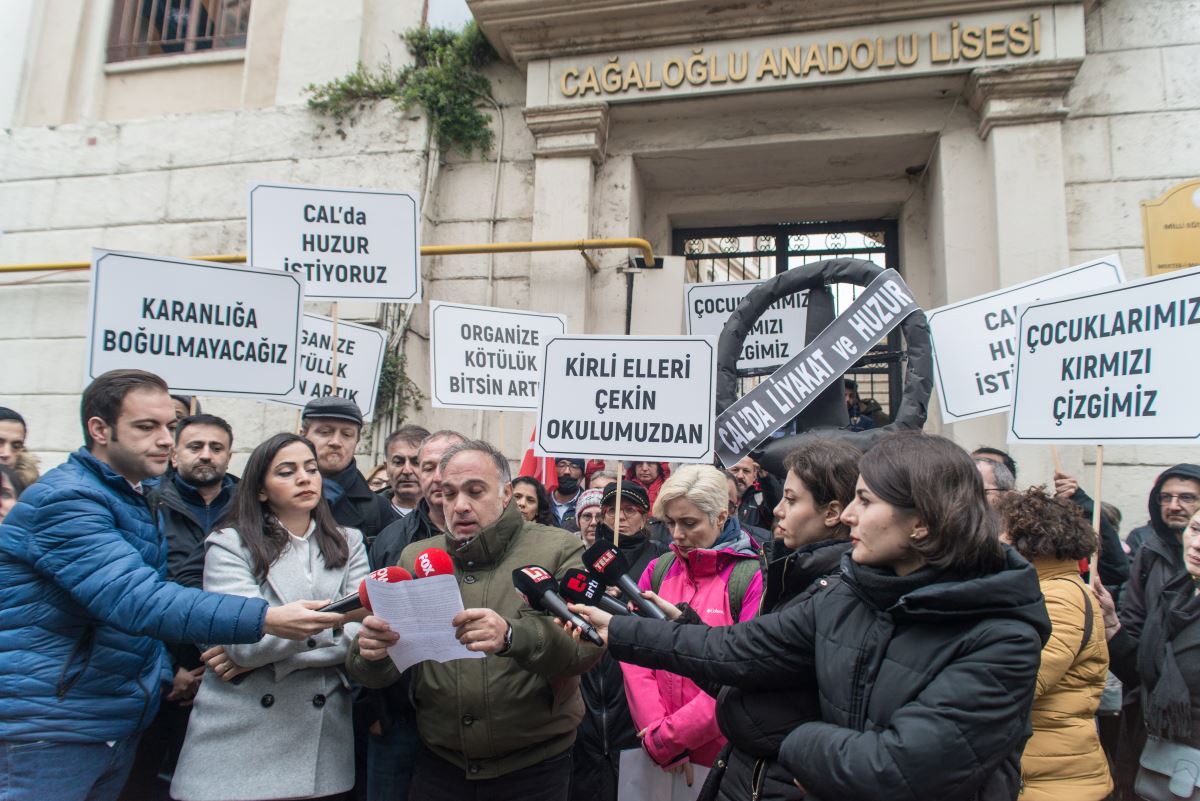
column 146, row 28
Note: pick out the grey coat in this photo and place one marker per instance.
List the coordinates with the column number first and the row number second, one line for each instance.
column 285, row 731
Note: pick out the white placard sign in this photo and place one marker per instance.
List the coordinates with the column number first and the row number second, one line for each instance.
column 1110, row 366
column 975, row 340
column 359, row 362
column 348, row 244
column 206, row 328
column 776, row 337
column 487, row 358
column 628, row 398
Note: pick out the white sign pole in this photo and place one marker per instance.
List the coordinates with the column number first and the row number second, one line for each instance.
column 1103, row 367
column 349, row 244
column 628, row 398
column 974, row 340
column 205, row 328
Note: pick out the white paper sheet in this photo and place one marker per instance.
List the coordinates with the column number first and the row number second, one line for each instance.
column 420, row 611
column 642, row 780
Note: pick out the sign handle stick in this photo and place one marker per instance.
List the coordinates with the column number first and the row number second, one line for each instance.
column 1092, row 574
column 333, row 313
column 299, row 420
column 1057, row 460
column 192, row 406
column 617, row 506
column 500, row 433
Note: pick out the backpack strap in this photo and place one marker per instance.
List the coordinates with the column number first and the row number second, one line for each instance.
column 1089, row 617
column 744, row 571
column 661, row 565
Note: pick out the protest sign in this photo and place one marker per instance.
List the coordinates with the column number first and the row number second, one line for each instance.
column 628, row 398
column 351, row 373
column 1110, row 366
column 206, row 328
column 773, row 403
column 360, row 244
column 974, row 340
column 487, row 358
column 776, row 337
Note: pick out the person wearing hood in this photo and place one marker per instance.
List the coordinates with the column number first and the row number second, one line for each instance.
column 675, row 717
column 650, row 475
column 607, row 728
column 924, row 655
column 333, row 425
column 1154, row 605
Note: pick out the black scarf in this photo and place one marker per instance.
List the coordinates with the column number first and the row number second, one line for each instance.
column 883, row 588
column 1166, row 704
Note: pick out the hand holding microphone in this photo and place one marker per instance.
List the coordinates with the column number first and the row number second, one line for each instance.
column 606, row 564
column 541, row 590
column 376, row 636
column 579, row 588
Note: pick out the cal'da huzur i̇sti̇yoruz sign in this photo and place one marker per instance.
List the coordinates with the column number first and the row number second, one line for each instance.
column 488, row 358
column 776, row 337
column 880, row 307
column 349, row 368
column 360, row 244
column 628, row 398
column 1110, row 366
column 206, row 328
column 975, row 340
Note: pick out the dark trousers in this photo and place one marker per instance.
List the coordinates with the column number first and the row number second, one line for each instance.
column 435, row 779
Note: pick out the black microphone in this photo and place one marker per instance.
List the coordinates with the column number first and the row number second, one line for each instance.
column 580, row 588
column 541, row 590
column 607, row 565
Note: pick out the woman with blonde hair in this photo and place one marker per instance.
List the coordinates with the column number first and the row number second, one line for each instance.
column 714, row 566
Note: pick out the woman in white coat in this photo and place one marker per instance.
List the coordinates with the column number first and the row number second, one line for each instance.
column 282, row 730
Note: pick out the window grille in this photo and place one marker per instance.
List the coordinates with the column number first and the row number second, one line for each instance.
column 147, row 28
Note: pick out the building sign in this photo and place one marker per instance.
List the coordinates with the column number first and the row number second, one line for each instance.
column 975, row 340
column 350, row 369
column 347, row 244
column 762, row 411
column 487, row 358
column 894, row 50
column 628, row 398
column 1111, row 365
column 206, row 328
column 1172, row 229
column 776, row 337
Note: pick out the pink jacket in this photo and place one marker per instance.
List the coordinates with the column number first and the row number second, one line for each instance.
column 680, row 717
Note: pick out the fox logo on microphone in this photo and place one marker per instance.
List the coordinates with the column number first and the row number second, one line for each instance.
column 379, row 575
column 425, row 563
column 536, row 573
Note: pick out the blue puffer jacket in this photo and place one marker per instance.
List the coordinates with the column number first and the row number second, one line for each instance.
column 84, row 606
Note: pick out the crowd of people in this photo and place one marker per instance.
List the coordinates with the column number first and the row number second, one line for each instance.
column 911, row 625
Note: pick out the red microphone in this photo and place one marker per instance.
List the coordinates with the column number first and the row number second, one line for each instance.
column 433, row 562
column 359, row 600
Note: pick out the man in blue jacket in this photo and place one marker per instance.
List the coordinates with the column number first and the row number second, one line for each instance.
column 85, row 604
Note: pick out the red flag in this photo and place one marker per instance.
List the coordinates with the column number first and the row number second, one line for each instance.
column 542, row 468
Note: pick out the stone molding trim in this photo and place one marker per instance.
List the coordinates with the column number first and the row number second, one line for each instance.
column 529, row 30
column 1020, row 95
column 562, row 131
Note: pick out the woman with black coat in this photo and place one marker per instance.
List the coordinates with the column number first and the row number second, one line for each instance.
column 810, row 540
column 924, row 655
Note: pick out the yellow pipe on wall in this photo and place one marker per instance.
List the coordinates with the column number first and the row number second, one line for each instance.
column 426, row 250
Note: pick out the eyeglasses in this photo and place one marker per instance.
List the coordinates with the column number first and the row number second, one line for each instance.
column 1185, row 498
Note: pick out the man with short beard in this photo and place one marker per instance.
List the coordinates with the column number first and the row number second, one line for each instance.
column 402, row 464
column 562, row 500
column 502, row 726
column 334, row 425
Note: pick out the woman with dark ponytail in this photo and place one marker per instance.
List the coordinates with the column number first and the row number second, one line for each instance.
column 272, row 719
column 924, row 655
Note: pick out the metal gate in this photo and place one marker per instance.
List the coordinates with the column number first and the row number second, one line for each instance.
column 752, row 252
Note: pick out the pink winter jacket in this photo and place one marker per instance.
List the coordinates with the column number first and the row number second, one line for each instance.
column 680, row 717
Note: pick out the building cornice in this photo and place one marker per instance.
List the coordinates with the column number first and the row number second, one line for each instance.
column 1020, row 95
column 562, row 131
column 528, row 30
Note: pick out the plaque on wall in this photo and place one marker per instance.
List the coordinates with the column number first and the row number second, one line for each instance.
column 1171, row 227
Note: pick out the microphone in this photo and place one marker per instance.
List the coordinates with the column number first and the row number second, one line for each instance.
column 580, row 588
column 433, row 562
column 609, row 567
column 359, row 600
column 541, row 590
